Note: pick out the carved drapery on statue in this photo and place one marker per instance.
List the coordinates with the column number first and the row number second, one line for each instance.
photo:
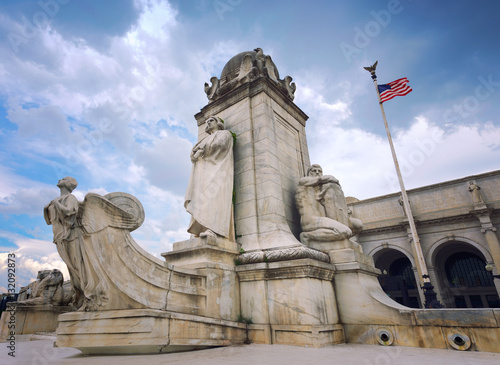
column 210, row 189
column 323, row 209
column 80, row 229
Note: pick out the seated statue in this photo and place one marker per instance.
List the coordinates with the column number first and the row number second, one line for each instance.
column 210, row 189
column 323, row 209
column 48, row 289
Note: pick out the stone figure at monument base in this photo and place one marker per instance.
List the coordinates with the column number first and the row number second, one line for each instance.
column 77, row 227
column 323, row 209
column 210, row 189
column 145, row 304
column 47, row 289
column 38, row 305
column 69, row 237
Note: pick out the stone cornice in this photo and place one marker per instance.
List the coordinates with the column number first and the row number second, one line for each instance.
column 462, row 180
column 305, row 269
column 283, row 254
column 250, row 89
column 402, row 225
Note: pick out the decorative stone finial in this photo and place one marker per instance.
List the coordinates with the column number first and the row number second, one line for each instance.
column 245, row 67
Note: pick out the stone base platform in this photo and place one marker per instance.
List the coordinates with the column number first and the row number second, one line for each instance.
column 28, row 320
column 291, row 302
column 144, row 331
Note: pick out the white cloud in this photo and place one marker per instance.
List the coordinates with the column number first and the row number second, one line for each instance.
column 427, row 154
column 88, row 111
column 166, row 163
column 27, row 201
column 166, row 220
column 20, row 195
column 31, row 255
column 10, row 181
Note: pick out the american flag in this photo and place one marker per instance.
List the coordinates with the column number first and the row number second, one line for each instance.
column 399, row 87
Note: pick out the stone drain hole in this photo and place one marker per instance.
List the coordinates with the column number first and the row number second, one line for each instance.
column 384, row 337
column 459, row 341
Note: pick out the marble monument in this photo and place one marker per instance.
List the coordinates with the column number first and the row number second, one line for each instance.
column 272, row 257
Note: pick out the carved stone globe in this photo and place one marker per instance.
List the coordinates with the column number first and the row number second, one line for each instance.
column 232, row 69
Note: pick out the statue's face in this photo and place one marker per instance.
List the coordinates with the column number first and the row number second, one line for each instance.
column 212, row 125
column 64, row 183
column 68, row 182
column 316, row 171
column 61, row 183
column 42, row 274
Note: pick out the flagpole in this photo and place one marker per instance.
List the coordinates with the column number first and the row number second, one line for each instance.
column 430, row 296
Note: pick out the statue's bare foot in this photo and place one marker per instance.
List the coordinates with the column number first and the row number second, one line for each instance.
column 208, row 233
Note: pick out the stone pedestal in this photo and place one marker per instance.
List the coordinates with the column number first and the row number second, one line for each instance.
column 356, row 285
column 199, row 252
column 290, row 302
column 213, row 258
column 144, row 331
column 28, row 320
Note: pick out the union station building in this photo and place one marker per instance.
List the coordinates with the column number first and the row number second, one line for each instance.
column 457, row 223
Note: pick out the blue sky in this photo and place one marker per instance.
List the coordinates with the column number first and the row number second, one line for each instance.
column 106, row 92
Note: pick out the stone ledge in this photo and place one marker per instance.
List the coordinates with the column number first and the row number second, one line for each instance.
column 456, row 317
column 249, row 90
column 358, row 268
column 302, row 268
column 199, row 253
column 219, row 242
column 282, row 254
column 303, row 335
column 39, row 308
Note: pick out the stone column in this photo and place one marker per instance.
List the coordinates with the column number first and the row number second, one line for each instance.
column 489, row 231
column 483, row 213
column 270, row 156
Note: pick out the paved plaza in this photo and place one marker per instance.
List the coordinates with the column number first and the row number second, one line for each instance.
column 37, row 350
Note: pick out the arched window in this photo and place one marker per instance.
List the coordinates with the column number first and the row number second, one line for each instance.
column 401, row 268
column 466, row 270
column 470, row 285
column 397, row 279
